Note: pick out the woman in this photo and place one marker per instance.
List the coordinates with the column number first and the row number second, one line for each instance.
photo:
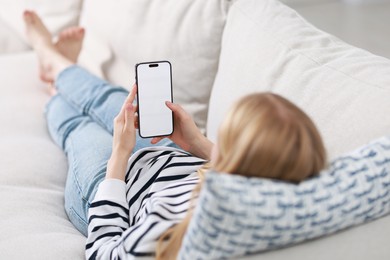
column 138, row 201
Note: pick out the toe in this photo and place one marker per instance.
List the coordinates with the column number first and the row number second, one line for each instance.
column 33, row 17
column 81, row 32
column 72, row 32
column 28, row 16
column 64, row 35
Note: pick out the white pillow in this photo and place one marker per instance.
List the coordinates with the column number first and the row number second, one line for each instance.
column 267, row 46
column 188, row 33
column 57, row 15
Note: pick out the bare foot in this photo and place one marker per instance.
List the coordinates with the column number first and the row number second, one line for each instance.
column 39, row 38
column 70, row 42
column 51, row 60
column 36, row 31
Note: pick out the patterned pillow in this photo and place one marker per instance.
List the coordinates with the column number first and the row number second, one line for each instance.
column 237, row 216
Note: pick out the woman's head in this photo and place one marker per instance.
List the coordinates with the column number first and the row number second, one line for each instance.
column 265, row 135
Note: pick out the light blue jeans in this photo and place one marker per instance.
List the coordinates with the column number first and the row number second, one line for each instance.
column 80, row 120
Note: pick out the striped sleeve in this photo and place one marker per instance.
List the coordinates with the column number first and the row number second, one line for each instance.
column 108, row 220
column 127, row 218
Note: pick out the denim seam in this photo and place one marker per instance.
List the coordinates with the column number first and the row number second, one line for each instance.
column 74, row 168
column 65, row 71
column 84, row 111
column 95, row 116
column 63, row 94
column 70, row 101
column 78, row 216
column 50, row 103
column 98, row 120
column 82, row 225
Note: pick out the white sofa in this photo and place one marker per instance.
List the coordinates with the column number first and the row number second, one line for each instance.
column 264, row 46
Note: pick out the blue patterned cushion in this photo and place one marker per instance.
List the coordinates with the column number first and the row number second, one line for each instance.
column 237, row 215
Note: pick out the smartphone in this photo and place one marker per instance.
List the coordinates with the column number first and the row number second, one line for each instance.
column 154, row 82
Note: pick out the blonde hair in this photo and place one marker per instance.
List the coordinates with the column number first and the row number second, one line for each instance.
column 169, row 243
column 263, row 135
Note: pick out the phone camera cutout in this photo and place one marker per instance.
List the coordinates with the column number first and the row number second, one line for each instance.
column 153, row 65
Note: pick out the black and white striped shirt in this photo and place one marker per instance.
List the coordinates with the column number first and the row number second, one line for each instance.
column 127, row 218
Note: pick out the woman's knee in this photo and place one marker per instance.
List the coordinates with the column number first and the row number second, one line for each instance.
column 62, row 119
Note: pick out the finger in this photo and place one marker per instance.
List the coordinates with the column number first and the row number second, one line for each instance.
column 121, row 115
column 130, row 97
column 133, row 93
column 129, row 117
column 136, row 124
column 172, row 106
column 176, row 109
column 155, row 140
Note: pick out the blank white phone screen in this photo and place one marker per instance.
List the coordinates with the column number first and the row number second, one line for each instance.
column 154, row 88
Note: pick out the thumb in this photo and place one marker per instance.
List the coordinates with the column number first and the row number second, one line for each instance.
column 155, row 140
column 176, row 109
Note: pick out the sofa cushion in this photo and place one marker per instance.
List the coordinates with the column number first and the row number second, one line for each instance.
column 33, row 221
column 238, row 215
column 188, row 33
column 9, row 40
column 57, row 15
column 267, row 46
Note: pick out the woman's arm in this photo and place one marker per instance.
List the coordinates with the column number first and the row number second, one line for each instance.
column 109, row 232
column 124, row 139
column 110, row 235
column 186, row 134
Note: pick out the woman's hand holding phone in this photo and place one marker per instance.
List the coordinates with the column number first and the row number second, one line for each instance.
column 186, row 134
column 124, row 138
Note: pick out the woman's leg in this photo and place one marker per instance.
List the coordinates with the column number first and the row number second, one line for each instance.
column 91, row 95
column 95, row 97
column 88, row 94
column 86, row 144
column 88, row 148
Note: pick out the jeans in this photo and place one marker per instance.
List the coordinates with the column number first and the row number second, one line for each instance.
column 80, row 120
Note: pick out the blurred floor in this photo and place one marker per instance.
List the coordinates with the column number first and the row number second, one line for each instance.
column 366, row 25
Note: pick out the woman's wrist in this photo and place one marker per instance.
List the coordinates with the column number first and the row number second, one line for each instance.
column 202, row 147
column 116, row 166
